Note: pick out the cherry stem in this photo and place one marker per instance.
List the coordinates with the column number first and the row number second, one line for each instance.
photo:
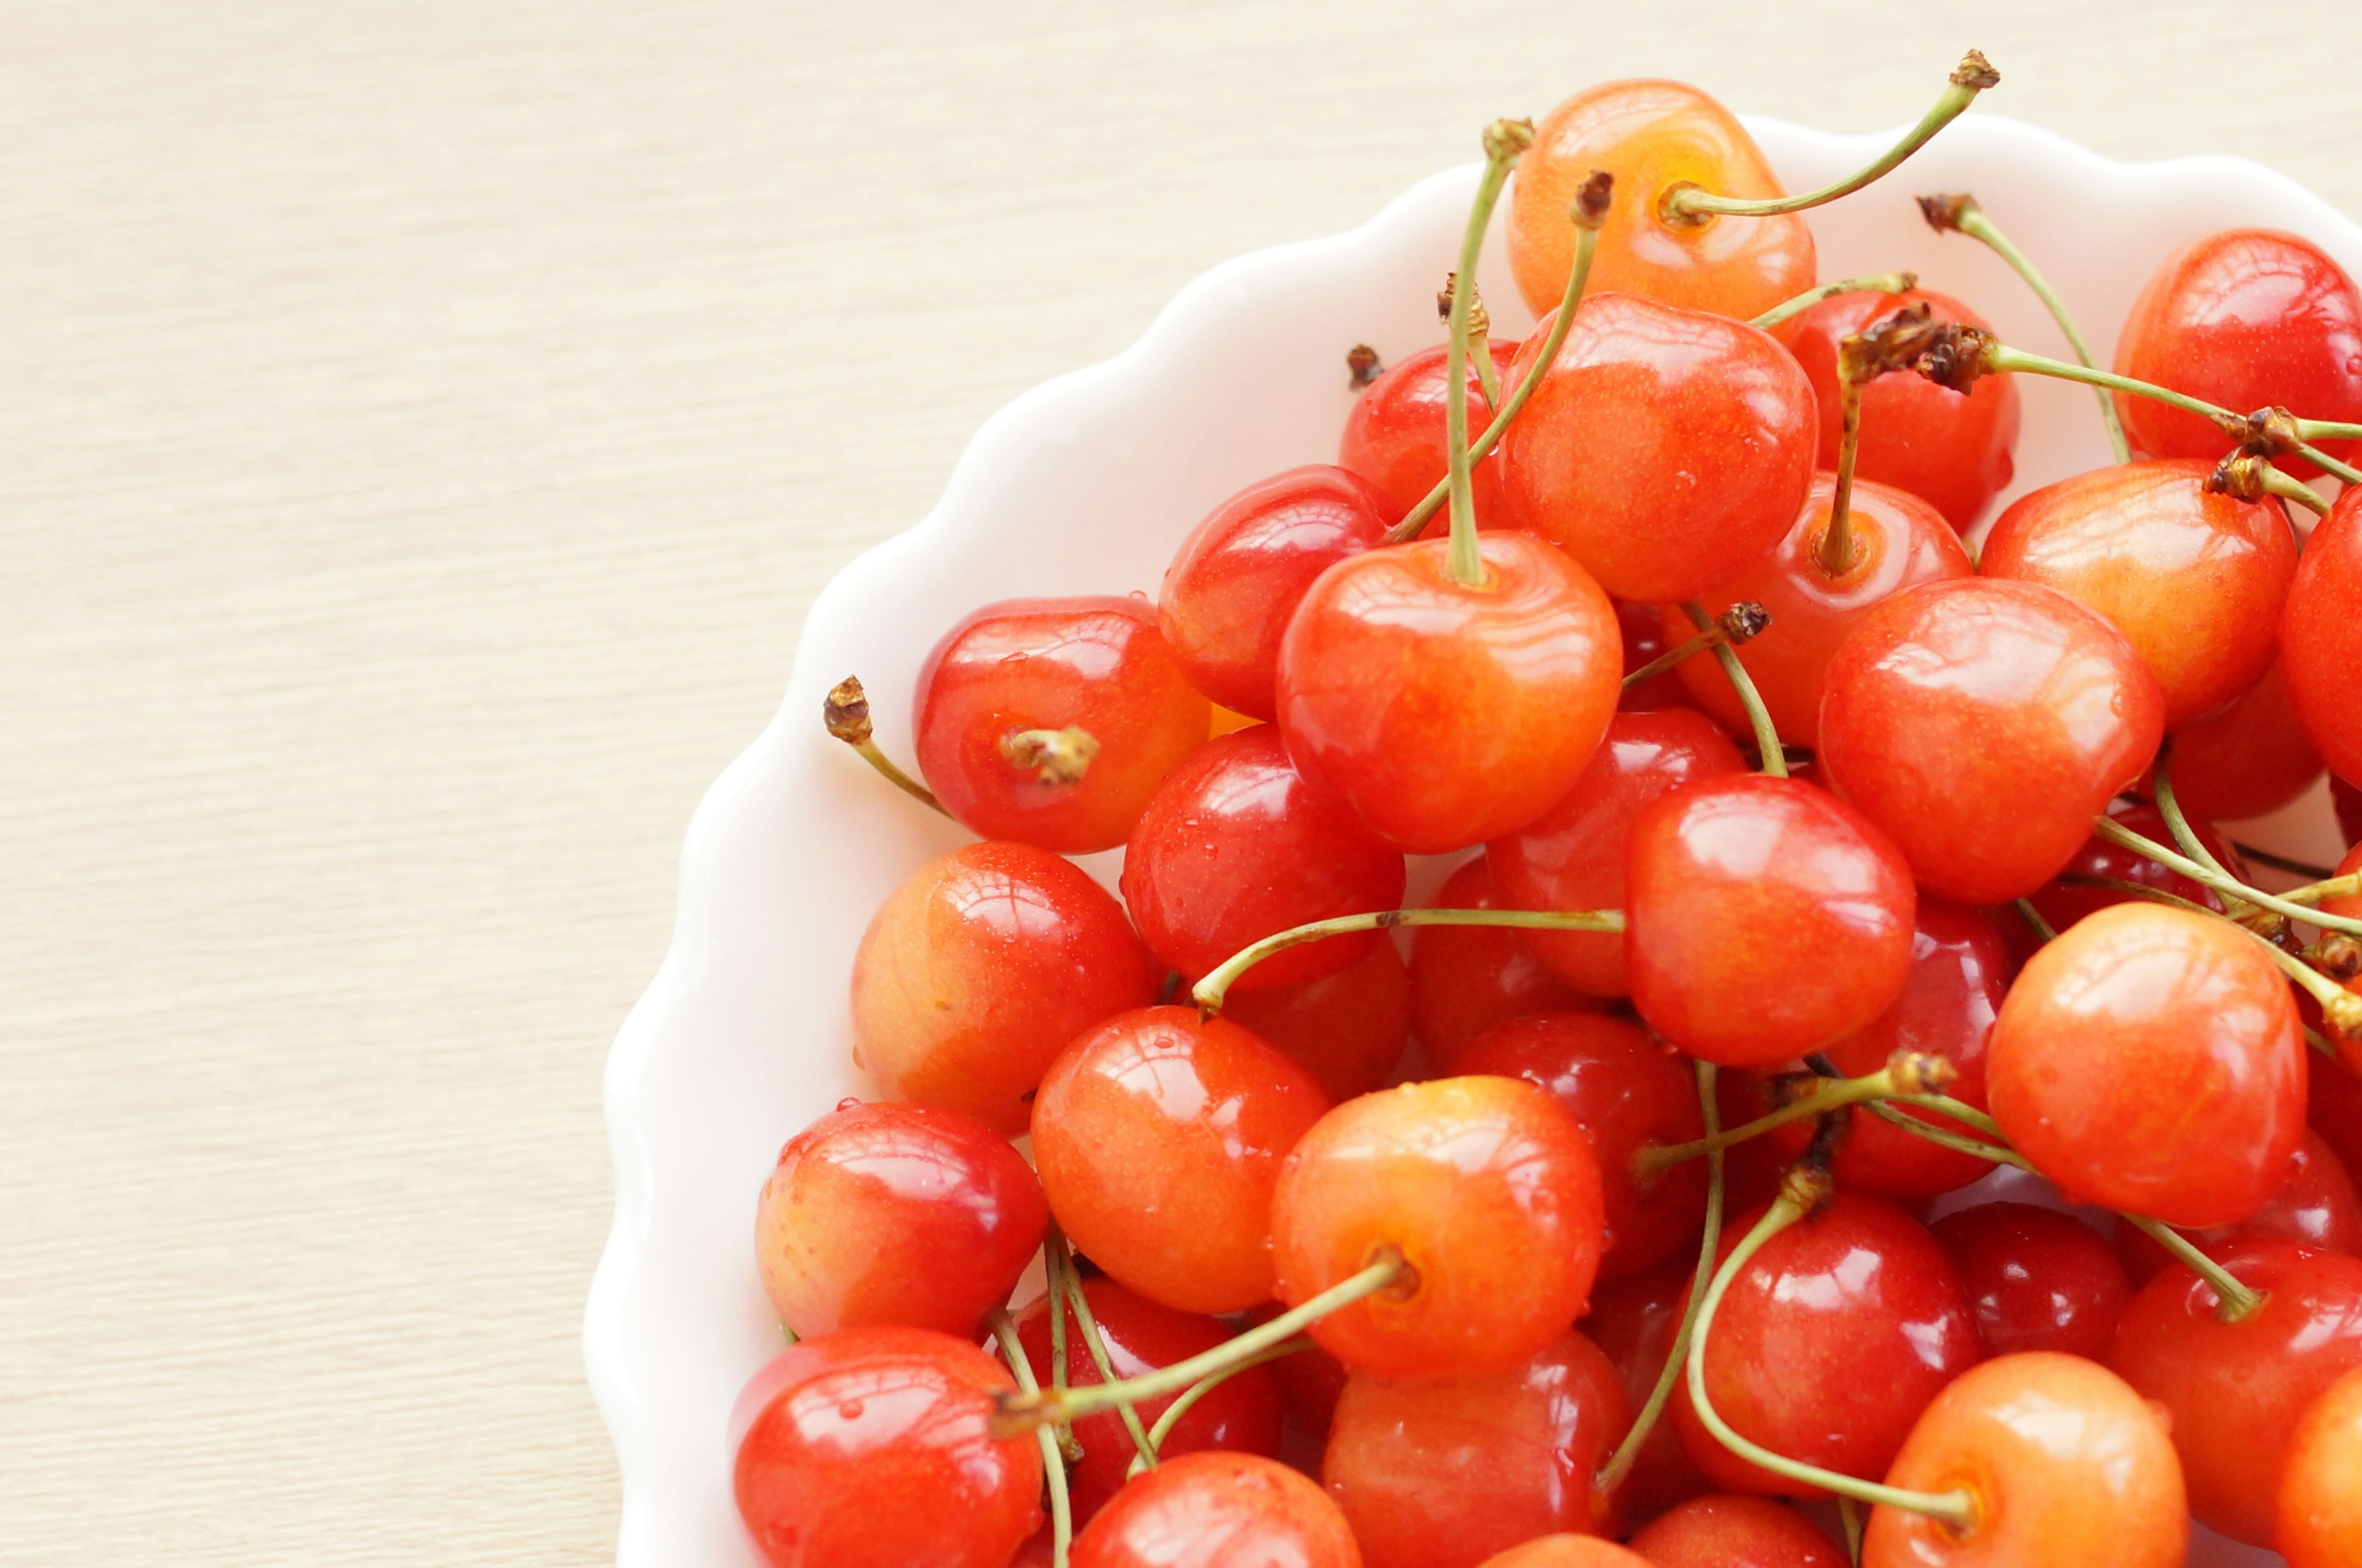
column 1055, row 1265
column 1684, row 204
column 1195, row 1391
column 1910, row 1072
column 2115, row 832
column 2185, row 837
column 2327, row 430
column 1619, row 1465
column 2345, row 886
column 1504, row 140
column 1054, row 1467
column 1021, row 1412
column 1850, row 1518
column 1054, row 756
column 2304, row 869
column 1210, row 992
column 845, row 712
column 2340, row 1006
column 1876, row 284
column 2252, row 478
column 1804, row 1189
column 1096, row 1343
column 1767, row 737
column 2032, row 917
column 1480, row 336
column 1741, row 623
column 1836, row 554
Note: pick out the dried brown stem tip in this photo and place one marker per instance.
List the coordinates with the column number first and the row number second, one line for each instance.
column 1947, row 353
column 1504, row 140
column 1975, row 71
column 1743, row 622
column 846, row 710
column 1590, row 207
column 1361, row 364
column 1054, row 756
column 2239, row 476
column 1944, row 213
column 2336, row 955
column 2268, row 432
column 1480, row 321
column 1919, row 1072
column 1808, row 1183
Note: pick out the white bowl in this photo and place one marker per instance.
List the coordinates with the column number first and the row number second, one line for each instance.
column 1085, row 485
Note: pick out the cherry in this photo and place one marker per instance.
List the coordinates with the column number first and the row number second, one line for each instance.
column 1395, row 437
column 1347, row 1029
column 2348, row 799
column 1240, row 574
column 871, row 1448
column 2248, row 759
column 1218, row 1510
column 2040, row 1280
column 1238, row 845
column 1567, row 1552
column 2194, row 579
column 2067, row 1465
column 2334, row 1110
column 1445, row 713
column 2246, row 318
column 2235, row 1390
column 1952, row 450
column 2315, row 1205
column 1310, row 1379
column 1159, row 1135
column 2063, row 713
column 1633, row 1320
column 1765, row 918
column 1571, row 857
column 1001, row 699
column 2150, row 1060
column 975, row 972
column 1488, row 1192
column 1240, row 1414
column 1734, row 1530
column 1652, row 136
column 1466, row 979
column 1663, row 448
column 1442, row 1473
column 2320, row 1505
column 1644, row 638
column 1898, row 541
column 2321, row 640
column 1629, row 1094
column 1828, row 1343
column 896, row 1214
column 2062, row 901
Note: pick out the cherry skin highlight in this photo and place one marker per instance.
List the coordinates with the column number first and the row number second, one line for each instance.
column 2251, row 758
column 871, row 1448
column 1347, row 1030
column 1395, row 435
column 2150, row 1060
column 1159, row 1136
column 975, row 972
column 2320, row 1505
column 1095, row 664
column 1633, row 1320
column 1447, row 714
column 1239, row 845
column 1765, row 918
column 2068, row 1468
column 896, row 1214
column 2040, row 1280
column 1652, row 136
column 1465, row 979
column 1983, row 724
column 1488, row 1190
column 2321, row 638
column 1732, row 1530
column 1218, row 1510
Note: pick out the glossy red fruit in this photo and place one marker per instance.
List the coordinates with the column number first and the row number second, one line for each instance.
column 1347, row 1029
column 1159, row 1136
column 1644, row 639
column 1764, row 919
column 1633, row 1320
column 1240, row 1415
column 1571, row 857
column 1395, row 435
column 1663, row 448
column 1567, row 1552
column 1240, row 574
column 1828, row 1343
column 1218, row 1510
column 1466, row 979
column 2315, row 1206
column 1731, row 1529
column 895, row 1214
column 1448, row 715
column 2040, row 1280
column 975, row 972
column 2247, row 319
column 2069, row 1466
column 2251, row 758
column 1239, row 845
column 2333, row 1110
column 2321, row 638
column 1488, row 1191
column 2150, row 1060
column 1630, row 1094
column 2236, row 1390
column 2320, row 1504
column 1983, row 724
column 2063, row 901
column 1652, row 136
column 1029, row 665
column 1899, row 541
column 2348, row 799
column 872, row 1448
column 1442, row 1473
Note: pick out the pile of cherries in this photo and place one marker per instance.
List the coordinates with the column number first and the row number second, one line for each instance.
column 1824, row 865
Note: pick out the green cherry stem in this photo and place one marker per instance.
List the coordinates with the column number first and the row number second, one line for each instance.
column 1210, row 992
column 1055, row 1265
column 1741, row 623
column 1504, row 140
column 2032, row 917
column 1053, row 1468
column 2251, row 477
column 1876, row 284
column 1767, row 737
column 1189, row 1396
column 2169, row 807
column 1096, row 1343
column 2115, row 832
column 1850, row 1515
column 845, row 712
column 2327, row 430
column 1909, row 1073
column 2345, row 886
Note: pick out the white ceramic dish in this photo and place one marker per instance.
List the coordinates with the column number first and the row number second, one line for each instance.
column 1085, row 485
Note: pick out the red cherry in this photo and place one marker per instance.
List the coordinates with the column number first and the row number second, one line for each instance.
column 2150, row 1060
column 2348, row 799
column 1466, row 979
column 1395, row 435
column 2069, row 1467
column 2062, row 711
column 2334, row 1110
column 1310, row 1379
column 1239, row 575
column 896, row 1214
column 2247, row 319
column 1766, row 918
column 1488, row 1190
column 2235, row 1390
column 2320, row 1504
column 2315, row 1205
column 1159, row 1136
column 1567, row 1552
column 1241, row 1414
column 975, row 972
column 2320, row 639
column 2040, row 1280
column 1633, row 1320
column 1663, row 448
column 1651, row 135
column 1029, row 665
column 1347, row 1029
column 2249, row 759
column 1239, row 845
column 1644, row 639
column 1571, row 857
column 1950, row 449
column 1734, row 1530
column 1828, row 1343
column 2062, row 901
column 1629, row 1094
column 1218, row 1510
column 1448, row 715
column 1442, row 1473
column 1899, row 541
column 839, row 1440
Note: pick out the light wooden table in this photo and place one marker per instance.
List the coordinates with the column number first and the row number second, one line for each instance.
column 425, row 424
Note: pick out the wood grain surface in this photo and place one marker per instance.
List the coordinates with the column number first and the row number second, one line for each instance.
column 424, row 425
